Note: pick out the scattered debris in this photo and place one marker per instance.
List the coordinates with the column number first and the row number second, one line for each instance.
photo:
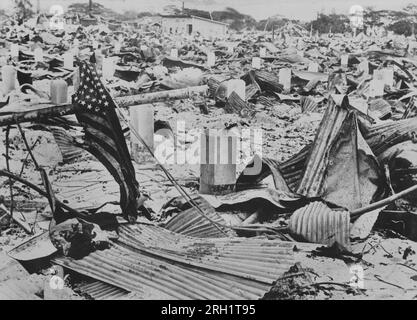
column 320, row 194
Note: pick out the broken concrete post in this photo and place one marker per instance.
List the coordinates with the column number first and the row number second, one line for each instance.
column 68, row 60
column 117, row 47
column 285, row 78
column 364, row 67
column 108, row 68
column 238, row 86
column 59, row 91
column 76, row 79
column 344, row 60
column 256, row 63
column 174, row 53
column 8, row 74
column 38, row 55
column 99, row 61
column 14, row 50
column 54, row 287
column 211, row 59
column 313, row 67
column 141, row 123
column 218, row 164
column 376, row 88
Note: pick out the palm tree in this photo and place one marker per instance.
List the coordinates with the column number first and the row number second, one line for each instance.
column 23, row 10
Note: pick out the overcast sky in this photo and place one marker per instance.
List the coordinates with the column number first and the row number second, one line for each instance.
column 259, row 9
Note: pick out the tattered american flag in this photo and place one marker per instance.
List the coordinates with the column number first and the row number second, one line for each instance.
column 103, row 136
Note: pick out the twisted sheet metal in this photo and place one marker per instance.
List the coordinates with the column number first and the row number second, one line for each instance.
column 155, row 263
column 265, row 102
column 312, row 182
column 317, row 223
column 292, row 170
column 188, row 222
column 251, row 90
column 268, row 81
column 269, row 166
column 379, row 138
column 191, row 223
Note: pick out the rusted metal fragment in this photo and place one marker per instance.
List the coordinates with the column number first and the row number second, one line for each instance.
column 317, row 223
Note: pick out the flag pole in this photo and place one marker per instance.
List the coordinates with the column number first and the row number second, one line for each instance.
column 169, row 176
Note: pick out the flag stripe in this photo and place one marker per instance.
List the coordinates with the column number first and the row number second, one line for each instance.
column 104, row 137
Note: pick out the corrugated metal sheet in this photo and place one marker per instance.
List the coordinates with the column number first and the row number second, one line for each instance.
column 268, row 81
column 333, row 119
column 292, row 170
column 341, row 167
column 383, row 136
column 65, row 143
column 191, row 223
column 380, row 108
column 308, row 104
column 317, row 223
column 102, row 291
column 188, row 222
column 251, row 90
column 379, row 137
column 158, row 264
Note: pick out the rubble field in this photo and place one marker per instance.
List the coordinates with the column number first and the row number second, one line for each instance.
column 330, row 213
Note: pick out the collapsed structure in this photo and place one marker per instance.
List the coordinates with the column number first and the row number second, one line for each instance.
column 337, row 153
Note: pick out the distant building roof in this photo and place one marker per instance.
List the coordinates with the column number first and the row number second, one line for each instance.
column 191, row 16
